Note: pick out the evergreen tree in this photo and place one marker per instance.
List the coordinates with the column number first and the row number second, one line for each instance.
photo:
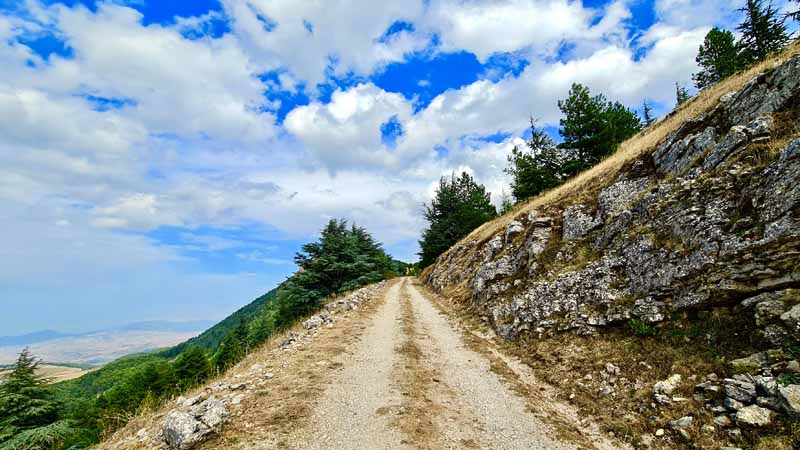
column 763, row 31
column 582, row 125
column 232, row 349
column 459, row 206
column 26, row 403
column 536, row 169
column 717, row 57
column 681, row 95
column 647, row 112
column 593, row 127
column 192, row 367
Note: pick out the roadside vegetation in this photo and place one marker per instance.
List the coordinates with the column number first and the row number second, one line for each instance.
column 78, row 413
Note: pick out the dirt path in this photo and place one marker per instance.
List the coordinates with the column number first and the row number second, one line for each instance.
column 412, row 383
column 350, row 413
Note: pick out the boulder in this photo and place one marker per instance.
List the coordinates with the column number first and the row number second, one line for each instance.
column 792, row 320
column 683, row 422
column 668, row 386
column 739, row 390
column 789, row 399
column 184, row 430
column 749, row 364
column 754, row 416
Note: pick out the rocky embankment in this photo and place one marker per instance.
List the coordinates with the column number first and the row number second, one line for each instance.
column 706, row 221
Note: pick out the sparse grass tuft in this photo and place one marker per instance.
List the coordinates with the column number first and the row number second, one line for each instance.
column 641, row 328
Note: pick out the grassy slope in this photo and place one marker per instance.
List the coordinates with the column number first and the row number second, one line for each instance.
column 588, row 183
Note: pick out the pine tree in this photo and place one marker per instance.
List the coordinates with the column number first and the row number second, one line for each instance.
column 717, row 57
column 459, row 206
column 647, row 112
column 763, row 31
column 537, row 168
column 192, row 367
column 681, row 94
column 593, row 127
column 26, row 403
column 232, row 349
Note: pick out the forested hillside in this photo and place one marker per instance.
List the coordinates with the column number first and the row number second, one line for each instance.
column 212, row 337
column 76, row 413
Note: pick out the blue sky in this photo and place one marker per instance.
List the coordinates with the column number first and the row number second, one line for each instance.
column 166, row 159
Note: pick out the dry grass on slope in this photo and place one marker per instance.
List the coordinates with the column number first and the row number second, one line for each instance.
column 591, row 181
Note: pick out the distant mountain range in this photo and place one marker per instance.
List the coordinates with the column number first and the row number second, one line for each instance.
column 153, row 325
column 99, row 347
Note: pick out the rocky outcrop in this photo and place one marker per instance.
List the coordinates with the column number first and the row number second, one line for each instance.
column 711, row 217
column 708, row 219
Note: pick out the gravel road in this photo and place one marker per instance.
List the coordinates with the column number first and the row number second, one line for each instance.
column 411, row 382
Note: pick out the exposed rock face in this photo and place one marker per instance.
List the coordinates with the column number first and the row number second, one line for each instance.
column 709, row 218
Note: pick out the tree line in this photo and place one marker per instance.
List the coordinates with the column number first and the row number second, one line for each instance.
column 763, row 32
column 75, row 414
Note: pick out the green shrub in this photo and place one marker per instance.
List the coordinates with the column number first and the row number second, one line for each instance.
column 641, row 328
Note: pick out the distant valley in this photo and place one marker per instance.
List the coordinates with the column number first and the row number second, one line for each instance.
column 102, row 346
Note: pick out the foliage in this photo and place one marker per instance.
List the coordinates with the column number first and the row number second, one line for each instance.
column 641, row 328
column 536, row 169
column 25, row 401
column 56, row 435
column 344, row 258
column 212, row 338
column 681, row 95
column 647, row 114
column 717, row 57
column 192, row 367
column 459, row 206
column 763, row 31
column 788, row 378
column 232, row 349
column 593, row 127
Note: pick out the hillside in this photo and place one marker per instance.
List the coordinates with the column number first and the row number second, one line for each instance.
column 211, row 338
column 673, row 261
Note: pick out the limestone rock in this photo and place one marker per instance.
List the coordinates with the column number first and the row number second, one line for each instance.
column 792, row 320
column 184, row 430
column 754, row 416
column 740, row 390
column 789, row 398
column 577, row 223
column 683, row 422
column 668, row 386
column 513, row 229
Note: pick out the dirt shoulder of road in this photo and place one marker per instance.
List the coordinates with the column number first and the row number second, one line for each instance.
column 280, row 386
